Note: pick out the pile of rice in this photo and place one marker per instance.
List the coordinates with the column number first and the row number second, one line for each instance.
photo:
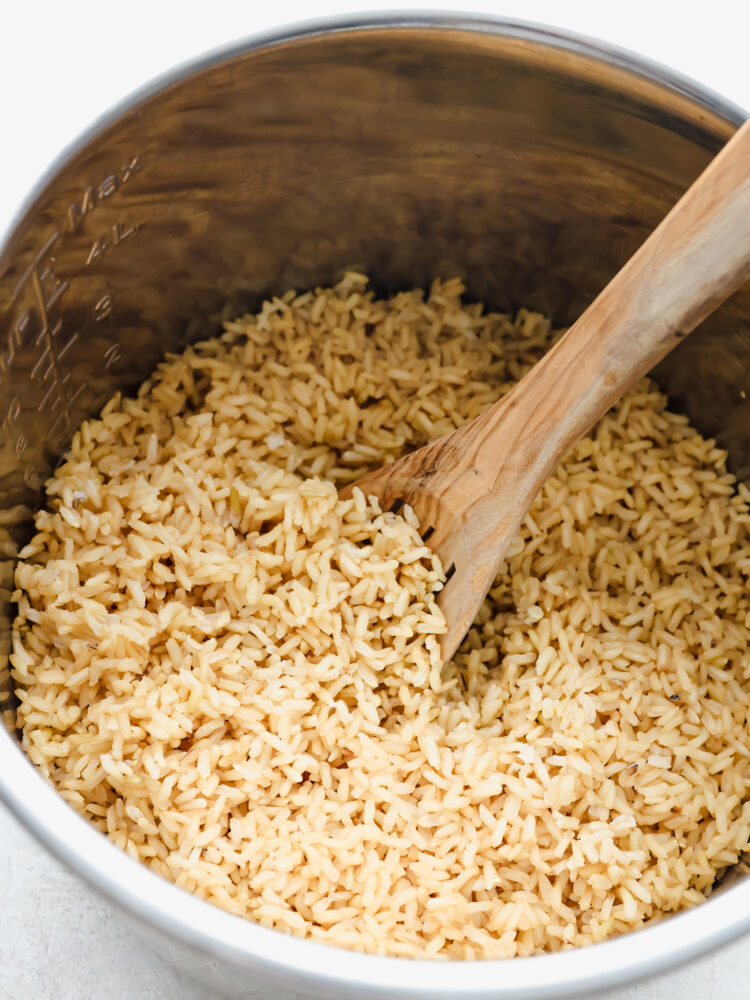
column 235, row 674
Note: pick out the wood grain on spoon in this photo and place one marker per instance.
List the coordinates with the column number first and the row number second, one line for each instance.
column 472, row 488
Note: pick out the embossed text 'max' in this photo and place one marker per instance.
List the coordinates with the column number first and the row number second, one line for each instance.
column 105, row 189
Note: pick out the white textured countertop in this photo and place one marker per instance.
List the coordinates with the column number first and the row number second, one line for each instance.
column 60, row 66
column 60, row 941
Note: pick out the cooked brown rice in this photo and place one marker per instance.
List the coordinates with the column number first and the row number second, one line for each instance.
column 235, row 676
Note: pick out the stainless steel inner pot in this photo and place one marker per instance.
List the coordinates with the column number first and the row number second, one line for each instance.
column 529, row 161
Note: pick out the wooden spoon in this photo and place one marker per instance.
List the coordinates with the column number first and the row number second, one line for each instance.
column 471, row 489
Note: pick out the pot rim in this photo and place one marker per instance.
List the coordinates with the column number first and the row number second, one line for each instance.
column 277, row 957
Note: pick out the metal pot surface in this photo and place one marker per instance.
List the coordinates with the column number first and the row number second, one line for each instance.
column 526, row 160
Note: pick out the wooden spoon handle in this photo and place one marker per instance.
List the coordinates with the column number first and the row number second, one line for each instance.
column 471, row 488
column 477, row 484
column 696, row 257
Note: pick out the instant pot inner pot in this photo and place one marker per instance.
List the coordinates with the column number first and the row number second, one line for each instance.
column 531, row 171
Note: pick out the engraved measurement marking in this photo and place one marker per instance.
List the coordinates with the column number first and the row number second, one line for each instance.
column 36, row 326
column 47, row 334
column 44, row 405
column 35, row 264
column 77, row 212
column 112, row 355
column 77, row 393
column 47, row 290
column 50, row 435
column 11, row 415
column 101, row 246
column 67, row 346
column 103, row 307
column 31, row 477
column 64, row 417
column 42, row 342
column 14, row 341
column 40, row 361
column 134, row 167
column 61, row 286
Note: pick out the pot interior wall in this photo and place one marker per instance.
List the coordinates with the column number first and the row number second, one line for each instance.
column 533, row 172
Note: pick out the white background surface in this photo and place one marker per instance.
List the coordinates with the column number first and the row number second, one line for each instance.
column 61, row 65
